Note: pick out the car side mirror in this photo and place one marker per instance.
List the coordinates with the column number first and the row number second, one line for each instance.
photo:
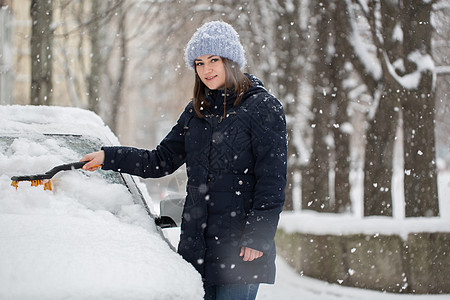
column 171, row 210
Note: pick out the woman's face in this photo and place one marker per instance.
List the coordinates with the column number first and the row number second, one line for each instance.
column 211, row 71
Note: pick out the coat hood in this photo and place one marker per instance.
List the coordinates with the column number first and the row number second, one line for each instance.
column 257, row 87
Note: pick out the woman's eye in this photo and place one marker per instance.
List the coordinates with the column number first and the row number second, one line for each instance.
column 198, row 64
column 214, row 59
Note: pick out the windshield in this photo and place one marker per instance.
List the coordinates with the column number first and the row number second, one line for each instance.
column 35, row 154
column 64, row 148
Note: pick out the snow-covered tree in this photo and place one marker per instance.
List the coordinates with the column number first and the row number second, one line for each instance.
column 401, row 79
column 384, row 111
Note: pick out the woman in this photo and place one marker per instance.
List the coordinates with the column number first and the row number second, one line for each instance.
column 232, row 137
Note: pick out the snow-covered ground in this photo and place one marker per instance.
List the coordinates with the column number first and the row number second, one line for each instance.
column 290, row 285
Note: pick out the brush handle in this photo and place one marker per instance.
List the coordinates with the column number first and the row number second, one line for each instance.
column 66, row 167
column 52, row 172
column 70, row 166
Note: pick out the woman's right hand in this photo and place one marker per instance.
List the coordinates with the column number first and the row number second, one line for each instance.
column 95, row 160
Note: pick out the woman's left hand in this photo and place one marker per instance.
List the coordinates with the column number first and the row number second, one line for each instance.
column 250, row 254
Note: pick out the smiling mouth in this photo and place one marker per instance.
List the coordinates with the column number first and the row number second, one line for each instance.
column 210, row 78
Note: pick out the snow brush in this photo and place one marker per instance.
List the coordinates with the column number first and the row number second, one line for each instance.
column 44, row 179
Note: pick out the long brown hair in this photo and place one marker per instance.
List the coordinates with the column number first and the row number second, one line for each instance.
column 235, row 81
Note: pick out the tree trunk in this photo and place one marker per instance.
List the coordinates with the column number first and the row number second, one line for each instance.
column 6, row 54
column 378, row 167
column 315, row 177
column 96, row 59
column 342, row 202
column 381, row 132
column 41, row 52
column 420, row 181
column 289, row 41
column 120, row 83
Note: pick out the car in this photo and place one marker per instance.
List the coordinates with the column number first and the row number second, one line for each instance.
column 93, row 235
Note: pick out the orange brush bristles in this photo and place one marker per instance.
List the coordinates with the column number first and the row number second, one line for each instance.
column 47, row 184
column 15, row 184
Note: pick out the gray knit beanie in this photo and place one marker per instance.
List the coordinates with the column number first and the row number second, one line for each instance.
column 215, row 38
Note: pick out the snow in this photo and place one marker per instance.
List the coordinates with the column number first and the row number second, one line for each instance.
column 442, row 69
column 397, row 34
column 321, row 224
column 54, row 119
column 291, row 285
column 363, row 51
column 311, row 222
column 86, row 239
column 412, row 80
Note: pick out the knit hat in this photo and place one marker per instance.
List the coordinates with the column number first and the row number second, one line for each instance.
column 215, row 38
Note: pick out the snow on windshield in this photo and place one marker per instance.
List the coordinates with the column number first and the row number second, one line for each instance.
column 84, row 239
column 53, row 119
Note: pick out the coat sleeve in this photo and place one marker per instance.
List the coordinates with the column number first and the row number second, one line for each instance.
column 269, row 146
column 168, row 156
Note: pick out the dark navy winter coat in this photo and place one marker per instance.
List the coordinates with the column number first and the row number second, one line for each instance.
column 236, row 169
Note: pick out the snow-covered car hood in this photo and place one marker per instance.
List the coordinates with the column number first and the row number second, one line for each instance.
column 86, row 239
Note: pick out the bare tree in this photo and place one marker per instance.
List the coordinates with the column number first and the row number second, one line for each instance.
column 96, row 60
column 290, row 41
column 41, row 52
column 119, row 81
column 92, row 17
column 6, row 52
column 341, row 134
column 315, row 177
